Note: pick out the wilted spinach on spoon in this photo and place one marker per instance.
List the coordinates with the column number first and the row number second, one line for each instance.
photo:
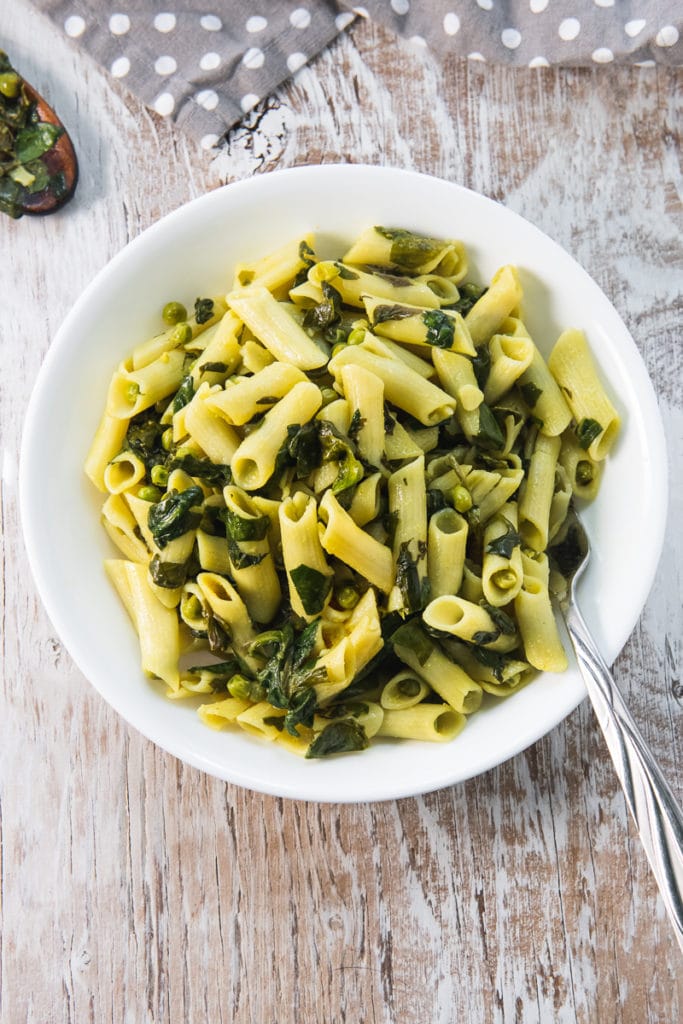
column 38, row 166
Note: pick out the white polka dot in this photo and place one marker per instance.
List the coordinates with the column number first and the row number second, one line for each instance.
column 511, row 38
column 485, row 5
column 418, row 41
column 208, row 141
column 603, row 55
column 253, row 58
column 296, row 60
column 164, row 104
column 209, row 61
column 633, row 28
column 537, row 6
column 400, row 6
column 120, row 67
column 211, row 23
column 342, row 21
column 256, row 24
column 249, row 100
column 539, row 62
column 165, row 65
column 569, row 29
column 667, row 36
column 300, row 18
column 208, row 99
column 451, row 23
column 475, row 55
column 165, row 22
column 74, row 26
column 604, row 3
column 119, row 24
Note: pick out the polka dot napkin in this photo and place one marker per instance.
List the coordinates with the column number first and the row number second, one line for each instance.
column 205, row 63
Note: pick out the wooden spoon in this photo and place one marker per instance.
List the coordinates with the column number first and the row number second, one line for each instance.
column 58, row 162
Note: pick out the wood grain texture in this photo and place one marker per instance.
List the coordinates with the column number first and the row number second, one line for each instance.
column 135, row 889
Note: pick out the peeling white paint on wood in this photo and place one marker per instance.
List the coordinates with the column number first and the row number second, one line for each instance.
column 135, row 889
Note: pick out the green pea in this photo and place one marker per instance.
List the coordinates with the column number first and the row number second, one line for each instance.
column 584, row 473
column 504, row 578
column 181, row 334
column 167, row 439
column 336, row 349
column 462, row 499
column 347, row 597
column 173, row 313
column 10, row 83
column 152, row 494
column 356, row 336
column 159, row 475
column 191, row 608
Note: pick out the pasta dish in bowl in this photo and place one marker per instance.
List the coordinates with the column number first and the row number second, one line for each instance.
column 334, row 454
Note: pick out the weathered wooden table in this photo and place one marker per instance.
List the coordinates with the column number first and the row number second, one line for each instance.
column 136, row 889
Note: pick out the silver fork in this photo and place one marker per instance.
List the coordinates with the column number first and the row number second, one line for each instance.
column 657, row 816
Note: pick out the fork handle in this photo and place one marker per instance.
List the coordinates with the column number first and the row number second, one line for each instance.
column 658, row 817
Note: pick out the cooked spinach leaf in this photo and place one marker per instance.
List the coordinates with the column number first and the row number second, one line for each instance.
column 173, row 515
column 184, row 394
column 410, row 251
column 194, row 465
column 203, row 310
column 481, row 364
column 339, row 738
column 506, row 543
column 312, row 587
column 440, row 328
column 414, row 591
column 469, row 295
column 587, row 430
column 386, row 313
column 413, row 638
column 143, row 438
column 530, row 393
column 168, row 574
column 327, row 312
column 490, row 434
column 242, row 527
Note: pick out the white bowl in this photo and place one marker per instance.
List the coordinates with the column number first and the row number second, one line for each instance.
column 191, row 252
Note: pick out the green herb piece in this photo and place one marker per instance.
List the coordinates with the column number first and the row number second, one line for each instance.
column 414, row 591
column 530, row 393
column 384, row 314
column 35, row 141
column 243, row 559
column 169, row 575
column 412, row 637
column 173, row 515
column 327, row 312
column 481, row 364
column 144, row 439
column 484, row 637
column 312, row 587
column 346, row 273
column 242, row 528
column 490, row 434
column 213, row 473
column 184, row 394
column 586, row 432
column 218, row 636
column 568, row 552
column 409, row 251
column 440, row 328
column 213, row 368
column 506, row 543
column 289, row 674
column 436, row 500
column 356, row 425
column 339, row 738
column 203, row 310
column 504, row 623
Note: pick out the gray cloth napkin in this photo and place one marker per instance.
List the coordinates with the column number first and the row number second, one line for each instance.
column 205, row 63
